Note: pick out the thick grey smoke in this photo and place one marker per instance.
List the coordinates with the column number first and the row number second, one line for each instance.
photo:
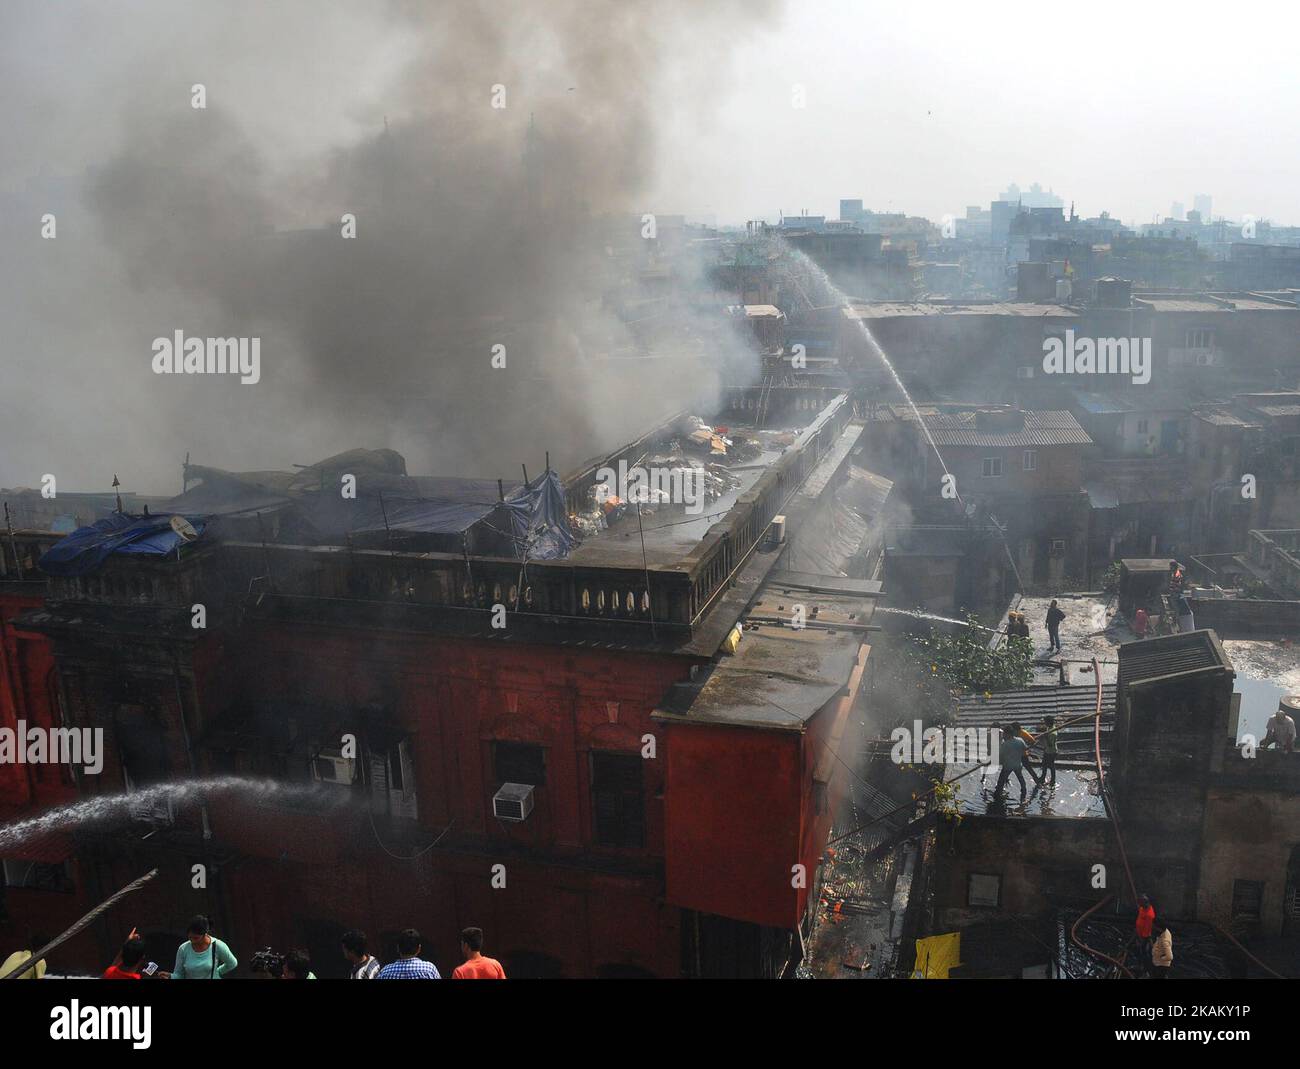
column 475, row 227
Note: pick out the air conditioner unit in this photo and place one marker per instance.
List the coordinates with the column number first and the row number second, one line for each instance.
column 1024, row 372
column 776, row 533
column 514, row 801
column 333, row 768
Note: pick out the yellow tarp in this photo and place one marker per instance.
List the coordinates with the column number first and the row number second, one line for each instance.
column 935, row 955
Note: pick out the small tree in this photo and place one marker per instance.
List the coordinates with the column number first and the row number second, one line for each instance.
column 921, row 677
column 966, row 662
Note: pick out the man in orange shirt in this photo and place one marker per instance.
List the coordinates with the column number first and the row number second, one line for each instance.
column 476, row 966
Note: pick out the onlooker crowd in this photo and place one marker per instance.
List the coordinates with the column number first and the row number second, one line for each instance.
column 205, row 957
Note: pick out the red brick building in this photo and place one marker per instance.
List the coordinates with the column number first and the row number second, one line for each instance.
column 658, row 837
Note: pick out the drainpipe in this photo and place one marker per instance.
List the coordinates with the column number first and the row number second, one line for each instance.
column 214, row 895
column 189, row 748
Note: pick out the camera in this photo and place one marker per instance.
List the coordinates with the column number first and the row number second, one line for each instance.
column 267, row 964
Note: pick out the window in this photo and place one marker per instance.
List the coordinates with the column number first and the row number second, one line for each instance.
column 1142, row 426
column 518, row 762
column 395, row 768
column 1247, row 900
column 992, row 467
column 1031, row 460
column 38, row 875
column 983, row 889
column 392, row 781
column 617, row 799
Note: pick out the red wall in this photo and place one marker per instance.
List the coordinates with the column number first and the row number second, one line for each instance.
column 742, row 812
column 733, row 802
column 455, row 697
column 27, row 692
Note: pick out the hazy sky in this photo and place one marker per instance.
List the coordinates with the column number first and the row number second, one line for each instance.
column 927, row 108
column 920, row 107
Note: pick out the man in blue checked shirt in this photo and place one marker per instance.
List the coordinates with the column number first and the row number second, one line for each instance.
column 409, row 965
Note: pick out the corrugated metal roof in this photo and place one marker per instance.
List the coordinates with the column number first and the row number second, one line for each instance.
column 1031, row 704
column 1173, row 655
column 1041, row 428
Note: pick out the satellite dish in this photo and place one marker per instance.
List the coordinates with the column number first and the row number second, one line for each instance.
column 184, row 528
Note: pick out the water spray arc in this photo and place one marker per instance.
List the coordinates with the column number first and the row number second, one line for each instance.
column 874, row 346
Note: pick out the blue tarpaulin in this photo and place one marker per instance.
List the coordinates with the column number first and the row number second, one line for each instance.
column 88, row 547
column 533, row 520
column 537, row 517
column 541, row 520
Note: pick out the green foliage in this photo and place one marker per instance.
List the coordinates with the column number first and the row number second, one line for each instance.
column 921, row 676
column 965, row 662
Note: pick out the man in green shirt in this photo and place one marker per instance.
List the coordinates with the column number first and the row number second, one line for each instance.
column 1048, row 739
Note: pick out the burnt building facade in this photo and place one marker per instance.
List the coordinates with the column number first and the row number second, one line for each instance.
column 380, row 753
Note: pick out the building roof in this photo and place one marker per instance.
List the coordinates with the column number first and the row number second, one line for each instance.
column 959, row 428
column 1173, row 655
column 1189, row 303
column 1146, row 564
column 1100, row 404
column 895, row 309
column 1222, row 417
column 780, row 677
column 1030, row 705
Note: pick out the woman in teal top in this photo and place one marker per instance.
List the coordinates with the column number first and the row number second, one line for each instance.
column 202, row 956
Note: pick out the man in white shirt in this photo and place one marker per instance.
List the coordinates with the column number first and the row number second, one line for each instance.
column 362, row 964
column 1281, row 728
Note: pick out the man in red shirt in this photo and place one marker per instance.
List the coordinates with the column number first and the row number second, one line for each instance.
column 476, row 966
column 127, row 966
column 1146, row 920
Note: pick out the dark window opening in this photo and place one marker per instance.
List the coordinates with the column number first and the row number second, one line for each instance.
column 518, row 762
column 983, row 890
column 38, row 875
column 618, row 799
column 1247, row 901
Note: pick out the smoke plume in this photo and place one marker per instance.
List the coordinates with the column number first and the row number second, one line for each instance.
column 512, row 231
